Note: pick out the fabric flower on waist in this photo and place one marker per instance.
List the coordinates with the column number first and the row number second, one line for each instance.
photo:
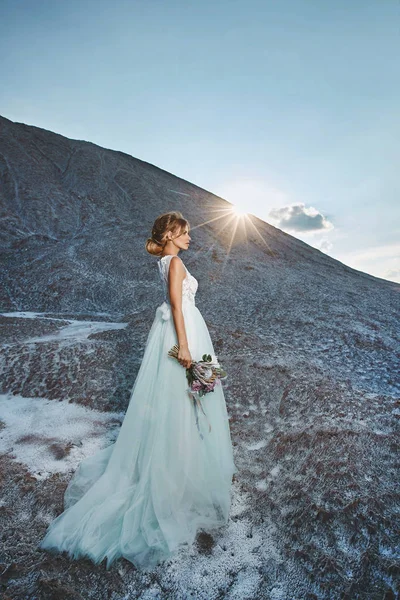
column 165, row 311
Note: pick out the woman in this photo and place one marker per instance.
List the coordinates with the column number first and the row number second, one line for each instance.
column 167, row 475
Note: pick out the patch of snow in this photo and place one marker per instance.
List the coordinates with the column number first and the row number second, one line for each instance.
column 275, row 471
column 262, row 485
column 240, row 501
column 277, row 593
column 75, row 331
column 231, row 568
column 256, row 445
column 23, row 315
column 35, row 426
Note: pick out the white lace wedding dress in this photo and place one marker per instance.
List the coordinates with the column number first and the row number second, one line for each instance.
column 165, row 477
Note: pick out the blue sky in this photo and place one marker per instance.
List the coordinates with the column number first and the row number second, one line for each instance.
column 289, row 109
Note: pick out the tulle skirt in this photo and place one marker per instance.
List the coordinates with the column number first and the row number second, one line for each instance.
column 166, row 476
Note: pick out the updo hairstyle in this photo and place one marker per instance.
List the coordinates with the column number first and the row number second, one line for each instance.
column 171, row 221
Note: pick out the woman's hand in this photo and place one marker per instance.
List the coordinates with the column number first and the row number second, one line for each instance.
column 184, row 356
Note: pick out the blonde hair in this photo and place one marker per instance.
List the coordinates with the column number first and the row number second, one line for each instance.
column 171, row 221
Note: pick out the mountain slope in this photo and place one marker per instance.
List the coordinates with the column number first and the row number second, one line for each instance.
column 311, row 347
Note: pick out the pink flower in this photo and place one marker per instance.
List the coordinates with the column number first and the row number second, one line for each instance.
column 196, row 386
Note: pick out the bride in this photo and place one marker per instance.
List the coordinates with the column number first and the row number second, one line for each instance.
column 169, row 472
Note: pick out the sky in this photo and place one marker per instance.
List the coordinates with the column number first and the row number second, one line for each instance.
column 289, row 109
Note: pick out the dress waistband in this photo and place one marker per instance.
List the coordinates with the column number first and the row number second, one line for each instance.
column 164, row 310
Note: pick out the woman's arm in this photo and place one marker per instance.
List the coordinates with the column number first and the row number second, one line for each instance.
column 177, row 274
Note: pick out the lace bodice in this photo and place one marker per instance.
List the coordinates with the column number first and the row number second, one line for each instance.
column 189, row 284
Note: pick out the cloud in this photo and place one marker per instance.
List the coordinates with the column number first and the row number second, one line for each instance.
column 297, row 217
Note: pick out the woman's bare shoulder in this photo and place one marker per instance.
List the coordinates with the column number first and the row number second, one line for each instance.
column 177, row 266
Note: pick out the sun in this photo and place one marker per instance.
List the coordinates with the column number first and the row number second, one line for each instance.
column 238, row 211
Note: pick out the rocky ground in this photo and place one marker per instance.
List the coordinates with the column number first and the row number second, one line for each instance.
column 315, row 502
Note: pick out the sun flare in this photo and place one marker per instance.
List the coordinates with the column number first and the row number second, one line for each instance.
column 238, row 211
column 233, row 222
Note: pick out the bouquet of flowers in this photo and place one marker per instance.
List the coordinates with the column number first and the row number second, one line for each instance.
column 202, row 377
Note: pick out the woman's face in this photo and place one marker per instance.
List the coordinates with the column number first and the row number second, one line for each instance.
column 183, row 240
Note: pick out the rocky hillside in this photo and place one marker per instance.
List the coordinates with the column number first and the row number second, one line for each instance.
column 312, row 351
